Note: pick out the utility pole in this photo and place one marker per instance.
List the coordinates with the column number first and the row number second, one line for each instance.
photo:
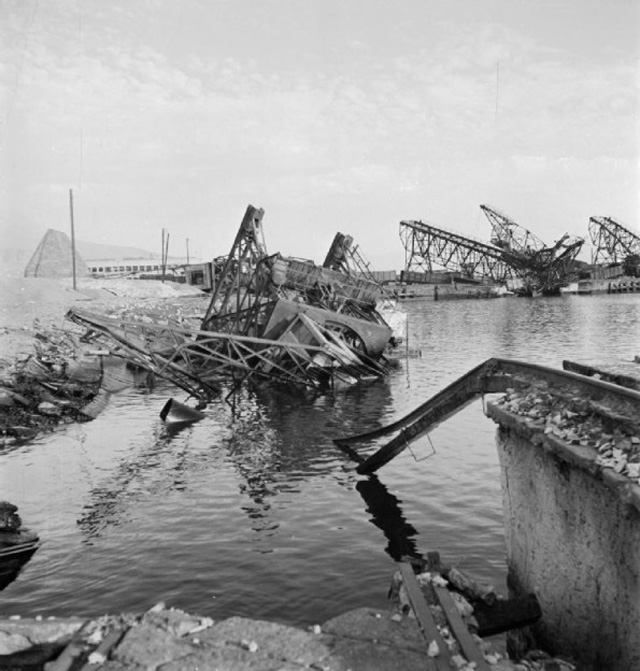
column 165, row 253
column 497, row 87
column 73, row 239
column 187, row 251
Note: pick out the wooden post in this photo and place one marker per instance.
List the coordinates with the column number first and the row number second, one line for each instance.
column 166, row 257
column 187, row 251
column 162, row 256
column 73, row 239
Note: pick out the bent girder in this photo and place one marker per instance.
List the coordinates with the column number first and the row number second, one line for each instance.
column 509, row 235
column 613, row 242
column 426, row 245
column 494, row 375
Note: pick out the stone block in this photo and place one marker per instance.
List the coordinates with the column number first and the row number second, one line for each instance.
column 270, row 640
column 368, row 624
column 149, row 646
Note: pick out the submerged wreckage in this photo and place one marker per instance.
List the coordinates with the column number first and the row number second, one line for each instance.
column 270, row 317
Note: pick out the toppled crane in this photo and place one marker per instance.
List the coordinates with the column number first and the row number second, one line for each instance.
column 270, row 317
column 541, row 268
column 513, row 253
column 614, row 244
column 258, row 294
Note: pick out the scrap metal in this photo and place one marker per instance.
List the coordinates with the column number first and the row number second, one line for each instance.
column 269, row 317
column 512, row 253
column 605, row 405
column 612, row 242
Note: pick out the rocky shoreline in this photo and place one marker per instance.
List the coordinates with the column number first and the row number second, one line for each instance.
column 167, row 639
column 49, row 375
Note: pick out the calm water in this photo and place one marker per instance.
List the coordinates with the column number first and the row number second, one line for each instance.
column 254, row 511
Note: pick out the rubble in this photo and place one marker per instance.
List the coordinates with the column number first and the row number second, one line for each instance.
column 170, row 638
column 270, row 317
column 59, row 375
column 578, row 421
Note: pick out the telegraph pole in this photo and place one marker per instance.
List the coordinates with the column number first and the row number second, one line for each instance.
column 73, row 239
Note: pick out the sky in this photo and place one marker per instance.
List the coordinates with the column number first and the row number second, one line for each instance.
column 332, row 115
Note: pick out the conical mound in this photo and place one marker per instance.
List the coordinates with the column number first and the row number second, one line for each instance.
column 53, row 258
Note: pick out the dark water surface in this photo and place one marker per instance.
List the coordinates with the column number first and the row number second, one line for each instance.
column 255, row 512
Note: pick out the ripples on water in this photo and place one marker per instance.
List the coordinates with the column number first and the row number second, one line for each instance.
column 253, row 511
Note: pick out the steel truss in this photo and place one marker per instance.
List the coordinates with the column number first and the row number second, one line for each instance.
column 514, row 253
column 613, row 242
column 509, row 235
column 540, row 268
column 200, row 361
column 426, row 245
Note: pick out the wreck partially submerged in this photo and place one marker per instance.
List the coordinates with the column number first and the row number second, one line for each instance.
column 270, row 317
column 274, row 297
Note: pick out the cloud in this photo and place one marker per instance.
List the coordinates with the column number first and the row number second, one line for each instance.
column 162, row 113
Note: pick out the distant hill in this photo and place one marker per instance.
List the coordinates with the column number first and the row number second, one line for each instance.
column 94, row 250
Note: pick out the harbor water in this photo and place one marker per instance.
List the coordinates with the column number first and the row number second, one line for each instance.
column 254, row 511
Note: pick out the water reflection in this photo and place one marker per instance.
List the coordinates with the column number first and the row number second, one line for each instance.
column 306, row 424
column 254, row 449
column 277, row 440
column 387, row 515
column 157, row 469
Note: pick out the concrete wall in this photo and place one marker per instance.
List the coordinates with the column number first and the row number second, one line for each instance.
column 574, row 541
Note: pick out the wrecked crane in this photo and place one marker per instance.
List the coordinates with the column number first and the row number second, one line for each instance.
column 270, row 317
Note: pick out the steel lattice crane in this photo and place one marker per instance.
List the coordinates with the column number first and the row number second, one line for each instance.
column 613, row 242
column 426, row 246
column 513, row 252
column 541, row 268
column 510, row 236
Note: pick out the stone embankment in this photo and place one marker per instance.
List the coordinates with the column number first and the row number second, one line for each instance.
column 570, row 465
column 166, row 639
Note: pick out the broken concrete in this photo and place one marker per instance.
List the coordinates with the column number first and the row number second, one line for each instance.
column 164, row 639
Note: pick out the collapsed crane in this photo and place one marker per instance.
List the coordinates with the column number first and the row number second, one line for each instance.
column 270, row 317
column 614, row 244
column 426, row 246
column 513, row 253
column 540, row 268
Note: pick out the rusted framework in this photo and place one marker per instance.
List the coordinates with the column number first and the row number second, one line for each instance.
column 604, row 400
column 347, row 258
column 270, row 317
column 239, row 277
column 514, row 253
column 540, row 268
column 426, row 246
column 200, row 361
column 612, row 242
column 509, row 235
column 251, row 281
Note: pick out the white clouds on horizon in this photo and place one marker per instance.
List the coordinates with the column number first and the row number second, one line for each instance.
column 221, row 126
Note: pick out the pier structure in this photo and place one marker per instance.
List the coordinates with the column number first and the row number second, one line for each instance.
column 572, row 528
column 569, row 447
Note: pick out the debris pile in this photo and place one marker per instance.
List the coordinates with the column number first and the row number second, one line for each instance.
column 47, row 388
column 457, row 614
column 577, row 420
column 270, row 317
